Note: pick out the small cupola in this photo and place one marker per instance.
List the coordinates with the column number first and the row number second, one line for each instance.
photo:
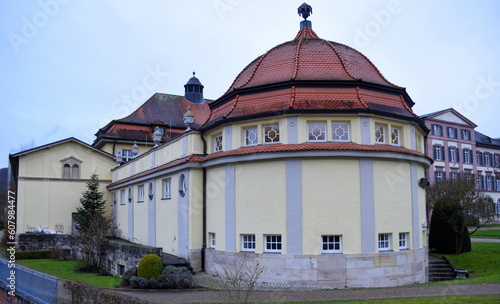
column 194, row 90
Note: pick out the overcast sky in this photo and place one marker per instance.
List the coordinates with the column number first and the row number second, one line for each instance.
column 68, row 67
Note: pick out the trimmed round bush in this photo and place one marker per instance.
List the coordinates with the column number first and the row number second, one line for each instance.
column 150, row 266
column 128, row 275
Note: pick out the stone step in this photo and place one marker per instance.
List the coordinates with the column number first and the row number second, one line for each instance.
column 440, row 270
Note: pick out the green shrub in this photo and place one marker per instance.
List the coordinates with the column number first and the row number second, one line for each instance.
column 150, row 266
column 176, row 277
column 138, row 282
column 38, row 254
column 127, row 275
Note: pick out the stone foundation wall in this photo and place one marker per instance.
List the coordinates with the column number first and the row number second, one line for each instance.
column 42, row 241
column 335, row 270
column 123, row 255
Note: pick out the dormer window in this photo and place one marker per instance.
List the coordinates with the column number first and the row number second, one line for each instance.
column 70, row 168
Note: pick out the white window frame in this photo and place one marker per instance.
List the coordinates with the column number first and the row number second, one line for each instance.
column 439, row 176
column 487, row 181
column 331, row 241
column 465, row 135
column 403, row 240
column 218, row 143
column 384, row 242
column 486, row 159
column 451, row 132
column 248, row 134
column 395, row 136
column 273, row 240
column 248, row 242
column 123, row 197
column 453, row 154
column 437, row 152
column 140, row 193
column 267, row 129
column 167, row 188
column 382, row 130
column 319, row 125
column 466, row 156
column 343, row 125
column 212, row 240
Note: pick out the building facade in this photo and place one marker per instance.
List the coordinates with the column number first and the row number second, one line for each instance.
column 310, row 164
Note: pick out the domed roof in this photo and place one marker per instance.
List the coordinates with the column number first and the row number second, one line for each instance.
column 308, row 57
column 310, row 75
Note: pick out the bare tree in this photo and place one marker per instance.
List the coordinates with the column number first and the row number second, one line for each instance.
column 93, row 243
column 239, row 276
column 459, row 204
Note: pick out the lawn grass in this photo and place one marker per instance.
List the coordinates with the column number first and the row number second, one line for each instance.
column 482, row 233
column 424, row 300
column 483, row 264
column 66, row 270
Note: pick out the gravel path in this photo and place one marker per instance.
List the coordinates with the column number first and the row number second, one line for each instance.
column 414, row 291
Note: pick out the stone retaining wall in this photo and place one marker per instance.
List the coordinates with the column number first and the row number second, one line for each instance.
column 334, row 270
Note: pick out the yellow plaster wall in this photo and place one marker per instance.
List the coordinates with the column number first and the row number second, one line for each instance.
column 393, row 200
column 196, row 209
column 122, row 215
column 261, row 207
column 216, row 212
column 166, row 216
column 45, row 199
column 331, row 196
column 140, row 216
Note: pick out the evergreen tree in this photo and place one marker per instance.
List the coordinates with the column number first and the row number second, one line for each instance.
column 92, row 205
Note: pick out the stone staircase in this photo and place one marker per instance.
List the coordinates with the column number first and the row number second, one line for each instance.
column 440, row 270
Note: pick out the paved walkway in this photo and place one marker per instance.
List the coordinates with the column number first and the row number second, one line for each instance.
column 414, row 291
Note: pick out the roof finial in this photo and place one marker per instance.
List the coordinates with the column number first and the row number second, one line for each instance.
column 194, row 73
column 305, row 10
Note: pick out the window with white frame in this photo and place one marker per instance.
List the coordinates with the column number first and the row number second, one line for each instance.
column 272, row 243
column 384, row 241
column 403, row 240
column 488, row 182
column 395, row 136
column 123, row 197
column 211, row 240
column 452, row 132
column 167, row 188
column 331, row 244
column 466, row 135
column 466, row 154
column 271, row 133
column 380, row 134
column 437, row 130
column 453, row 175
column 438, row 152
column 496, row 162
column 486, row 159
column 439, row 176
column 140, row 190
column 341, row 131
column 453, row 154
column 248, row 242
column 498, row 184
column 316, row 131
column 251, row 136
column 218, row 143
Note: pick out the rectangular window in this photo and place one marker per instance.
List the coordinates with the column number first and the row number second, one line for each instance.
column 248, row 242
column 396, row 136
column 452, row 132
column 486, row 159
column 316, row 131
column 466, row 156
column 271, row 133
column 439, row 176
column 341, row 131
column 478, row 158
column 167, row 188
column 437, row 130
column 123, row 198
column 488, row 182
column 384, row 242
column 496, row 160
column 273, row 243
column 332, row 244
column 211, row 240
column 453, row 175
column 465, row 134
column 498, row 184
column 452, row 154
column 379, row 134
column 126, row 154
column 141, row 193
column 218, row 143
column 251, row 136
column 403, row 241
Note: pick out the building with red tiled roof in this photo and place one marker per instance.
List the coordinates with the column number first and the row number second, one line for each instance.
column 310, row 163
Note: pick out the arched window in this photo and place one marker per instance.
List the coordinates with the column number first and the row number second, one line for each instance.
column 66, row 171
column 75, row 171
column 70, row 168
